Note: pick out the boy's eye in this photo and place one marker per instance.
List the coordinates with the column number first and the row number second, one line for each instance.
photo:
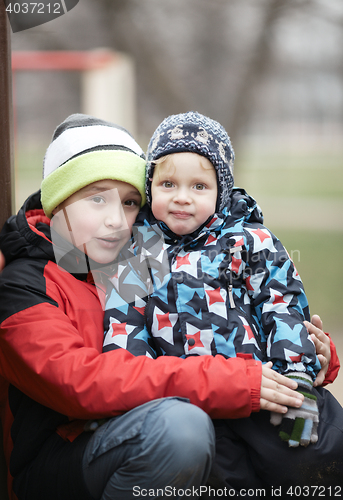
column 199, row 187
column 131, row 203
column 167, row 184
column 97, row 199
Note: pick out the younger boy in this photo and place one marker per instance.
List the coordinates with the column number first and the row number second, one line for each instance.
column 205, row 276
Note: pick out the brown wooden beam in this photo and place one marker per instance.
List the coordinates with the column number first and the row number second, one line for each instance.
column 6, row 164
column 7, row 202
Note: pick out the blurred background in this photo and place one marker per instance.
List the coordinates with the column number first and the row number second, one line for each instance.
column 271, row 71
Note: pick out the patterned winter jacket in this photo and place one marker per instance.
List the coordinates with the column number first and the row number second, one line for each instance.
column 230, row 288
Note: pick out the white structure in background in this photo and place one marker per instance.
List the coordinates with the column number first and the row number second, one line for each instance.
column 108, row 92
column 107, row 80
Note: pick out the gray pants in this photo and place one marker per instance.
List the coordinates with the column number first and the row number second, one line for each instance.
column 165, row 445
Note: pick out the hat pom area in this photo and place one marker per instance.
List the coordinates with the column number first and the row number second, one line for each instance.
column 85, row 149
column 195, row 133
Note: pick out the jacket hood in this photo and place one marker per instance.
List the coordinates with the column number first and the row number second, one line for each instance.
column 27, row 234
column 244, row 206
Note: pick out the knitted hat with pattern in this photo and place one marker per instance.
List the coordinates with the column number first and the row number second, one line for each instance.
column 84, row 150
column 195, row 133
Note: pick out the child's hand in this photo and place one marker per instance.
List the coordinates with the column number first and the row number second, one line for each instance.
column 322, row 345
column 298, row 427
column 277, row 391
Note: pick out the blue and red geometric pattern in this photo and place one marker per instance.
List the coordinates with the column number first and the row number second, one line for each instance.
column 229, row 288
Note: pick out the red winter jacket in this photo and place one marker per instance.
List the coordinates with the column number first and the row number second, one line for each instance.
column 52, row 371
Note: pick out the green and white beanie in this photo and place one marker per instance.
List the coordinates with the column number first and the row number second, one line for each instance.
column 84, row 150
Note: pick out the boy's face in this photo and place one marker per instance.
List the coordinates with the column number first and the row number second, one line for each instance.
column 184, row 192
column 98, row 219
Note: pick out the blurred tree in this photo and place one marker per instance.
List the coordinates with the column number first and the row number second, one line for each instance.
column 214, row 56
column 260, row 60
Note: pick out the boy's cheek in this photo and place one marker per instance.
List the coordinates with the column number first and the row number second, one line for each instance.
column 158, row 207
column 131, row 219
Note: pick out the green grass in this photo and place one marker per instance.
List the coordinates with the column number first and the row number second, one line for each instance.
column 315, row 176
column 318, row 259
column 310, row 175
column 28, row 172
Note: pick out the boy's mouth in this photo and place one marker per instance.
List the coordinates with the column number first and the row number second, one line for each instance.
column 179, row 214
column 109, row 242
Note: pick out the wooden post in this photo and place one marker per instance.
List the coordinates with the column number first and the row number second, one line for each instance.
column 6, row 165
column 7, row 202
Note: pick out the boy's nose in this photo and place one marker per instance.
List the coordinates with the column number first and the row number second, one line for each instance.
column 116, row 219
column 182, row 196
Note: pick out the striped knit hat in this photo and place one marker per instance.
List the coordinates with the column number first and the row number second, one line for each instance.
column 194, row 133
column 84, row 150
